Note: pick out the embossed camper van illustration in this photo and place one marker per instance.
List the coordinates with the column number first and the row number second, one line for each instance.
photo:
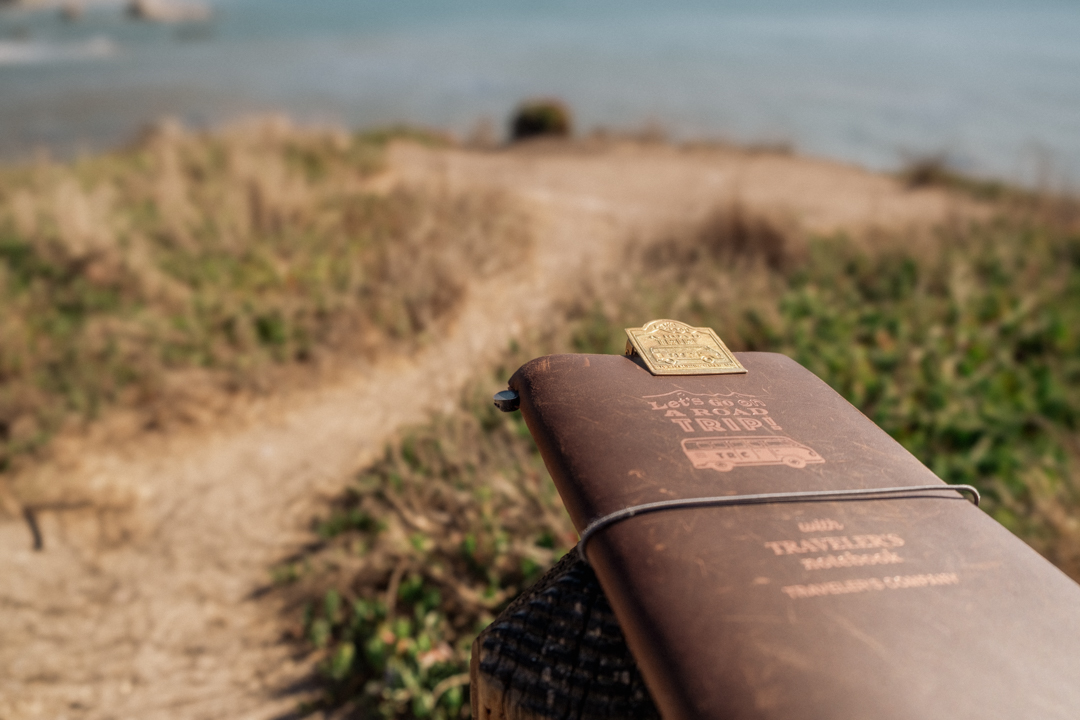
column 727, row 453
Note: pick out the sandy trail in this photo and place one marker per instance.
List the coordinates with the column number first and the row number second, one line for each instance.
column 150, row 612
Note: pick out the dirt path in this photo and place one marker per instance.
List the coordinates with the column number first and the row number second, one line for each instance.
column 149, row 612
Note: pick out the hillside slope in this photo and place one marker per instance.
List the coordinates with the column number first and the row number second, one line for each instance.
column 143, row 602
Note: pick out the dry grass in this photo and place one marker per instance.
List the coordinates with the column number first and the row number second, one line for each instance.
column 218, row 258
column 232, row 256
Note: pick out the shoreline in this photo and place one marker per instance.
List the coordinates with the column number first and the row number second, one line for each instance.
column 931, row 170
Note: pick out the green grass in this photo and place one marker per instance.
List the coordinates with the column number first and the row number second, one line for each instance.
column 422, row 552
column 968, row 355
column 966, row 350
column 218, row 258
column 224, row 258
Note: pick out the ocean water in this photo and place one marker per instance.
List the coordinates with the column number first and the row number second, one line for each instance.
column 993, row 86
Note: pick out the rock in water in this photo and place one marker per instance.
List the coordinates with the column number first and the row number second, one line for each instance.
column 165, row 11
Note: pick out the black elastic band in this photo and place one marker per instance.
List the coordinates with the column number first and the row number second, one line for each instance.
column 759, row 499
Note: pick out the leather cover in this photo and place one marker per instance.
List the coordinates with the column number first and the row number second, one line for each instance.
column 913, row 608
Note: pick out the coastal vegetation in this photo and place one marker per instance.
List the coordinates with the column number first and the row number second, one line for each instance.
column 541, row 118
column 964, row 347
column 217, row 261
column 196, row 264
column 425, row 548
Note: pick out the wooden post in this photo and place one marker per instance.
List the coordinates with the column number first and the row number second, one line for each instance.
column 557, row 652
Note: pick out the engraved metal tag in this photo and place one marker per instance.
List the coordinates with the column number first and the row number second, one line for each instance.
column 670, row 347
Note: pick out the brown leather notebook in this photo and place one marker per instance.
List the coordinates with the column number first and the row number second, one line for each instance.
column 913, row 608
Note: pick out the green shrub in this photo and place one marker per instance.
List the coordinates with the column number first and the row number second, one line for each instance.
column 541, row 118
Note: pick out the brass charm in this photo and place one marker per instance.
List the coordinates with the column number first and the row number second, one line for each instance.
column 669, row 347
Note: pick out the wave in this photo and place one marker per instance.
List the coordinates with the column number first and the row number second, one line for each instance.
column 27, row 52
